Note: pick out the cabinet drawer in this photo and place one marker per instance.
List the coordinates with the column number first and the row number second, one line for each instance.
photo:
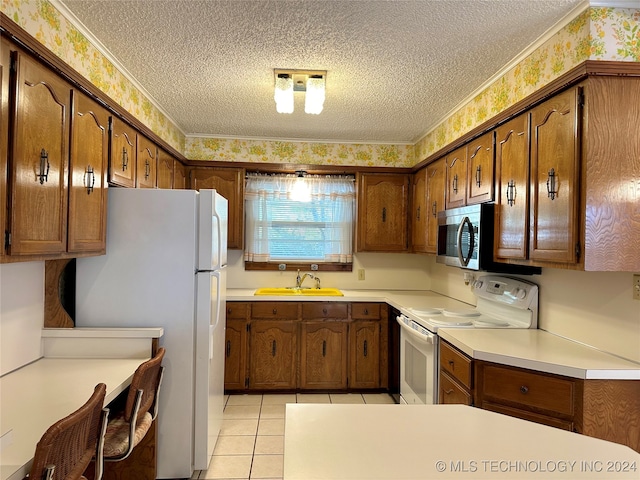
column 274, row 310
column 456, row 364
column 528, row 388
column 365, row 311
column 324, row 310
column 531, row 416
column 451, row 392
column 237, row 310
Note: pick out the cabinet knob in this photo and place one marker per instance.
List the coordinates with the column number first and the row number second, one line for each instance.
column 275, row 311
column 524, row 389
column 324, row 310
column 451, row 364
column 366, row 311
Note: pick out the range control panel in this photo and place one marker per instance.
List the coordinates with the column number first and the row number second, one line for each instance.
column 506, row 290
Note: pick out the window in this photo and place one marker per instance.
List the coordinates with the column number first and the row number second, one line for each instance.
column 283, row 229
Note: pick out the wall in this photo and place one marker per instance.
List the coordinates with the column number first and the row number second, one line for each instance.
column 383, row 271
column 595, row 308
column 21, row 313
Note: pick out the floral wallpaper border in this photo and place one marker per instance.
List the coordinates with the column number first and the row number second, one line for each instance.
column 596, row 34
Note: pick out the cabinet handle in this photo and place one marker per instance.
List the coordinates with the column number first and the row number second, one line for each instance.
column 275, row 311
column 455, row 183
column 125, row 159
column 552, row 189
column 366, row 311
column 448, row 392
column 384, row 214
column 324, row 348
column 511, row 193
column 451, row 364
column 364, row 348
column 418, row 214
column 524, row 389
column 228, row 348
column 147, row 168
column 273, row 349
column 44, row 166
column 434, row 209
column 89, row 179
column 478, row 175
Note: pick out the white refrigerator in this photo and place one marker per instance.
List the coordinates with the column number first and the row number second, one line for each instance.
column 165, row 267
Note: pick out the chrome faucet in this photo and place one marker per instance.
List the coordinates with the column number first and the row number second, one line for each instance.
column 300, row 279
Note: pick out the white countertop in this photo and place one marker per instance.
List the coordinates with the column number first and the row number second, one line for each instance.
column 440, row 442
column 41, row 393
column 534, row 349
column 541, row 351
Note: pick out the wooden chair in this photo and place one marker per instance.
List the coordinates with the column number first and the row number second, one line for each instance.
column 128, row 426
column 68, row 446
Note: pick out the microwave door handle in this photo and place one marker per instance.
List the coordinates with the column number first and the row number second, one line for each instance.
column 465, row 261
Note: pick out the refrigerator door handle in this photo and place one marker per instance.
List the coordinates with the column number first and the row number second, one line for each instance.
column 218, row 275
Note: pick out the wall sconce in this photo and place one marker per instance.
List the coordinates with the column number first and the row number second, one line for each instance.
column 312, row 82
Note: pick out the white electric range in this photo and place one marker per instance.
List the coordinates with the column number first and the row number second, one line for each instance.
column 502, row 302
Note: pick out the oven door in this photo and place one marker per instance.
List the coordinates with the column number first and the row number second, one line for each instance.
column 418, row 363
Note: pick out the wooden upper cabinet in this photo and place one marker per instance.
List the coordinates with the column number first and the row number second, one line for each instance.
column 122, row 154
column 228, row 182
column 146, row 163
column 88, row 181
column 456, row 190
column 436, row 173
column 382, row 212
column 5, row 66
column 419, row 211
column 480, row 174
column 39, row 172
column 179, row 175
column 512, row 182
column 165, row 169
column 555, row 161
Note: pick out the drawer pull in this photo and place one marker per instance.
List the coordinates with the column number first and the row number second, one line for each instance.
column 366, row 311
column 275, row 311
column 228, row 311
column 448, row 392
column 524, row 389
column 324, row 310
column 451, row 364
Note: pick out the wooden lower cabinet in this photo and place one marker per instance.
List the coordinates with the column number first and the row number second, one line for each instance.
column 456, row 376
column 305, row 346
column 606, row 409
column 272, row 354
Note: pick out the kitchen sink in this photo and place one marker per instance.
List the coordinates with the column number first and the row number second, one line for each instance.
column 315, row 292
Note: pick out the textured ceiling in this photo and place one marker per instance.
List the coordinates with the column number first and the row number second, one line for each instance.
column 394, row 68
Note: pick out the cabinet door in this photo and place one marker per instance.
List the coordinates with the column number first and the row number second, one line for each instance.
column 554, row 179
column 146, row 163
column 165, row 169
column 39, row 172
column 5, row 65
column 88, row 181
column 179, row 175
column 435, row 201
column 122, row 154
column 481, row 169
column 272, row 354
column 323, row 355
column 229, row 182
column 420, row 213
column 364, row 354
column 512, row 199
column 456, row 189
column 382, row 212
column 235, row 362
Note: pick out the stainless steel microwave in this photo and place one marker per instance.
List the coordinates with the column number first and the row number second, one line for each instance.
column 465, row 240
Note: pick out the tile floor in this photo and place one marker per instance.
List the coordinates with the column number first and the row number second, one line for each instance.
column 251, row 441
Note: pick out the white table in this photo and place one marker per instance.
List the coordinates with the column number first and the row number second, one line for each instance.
column 358, row 442
column 37, row 395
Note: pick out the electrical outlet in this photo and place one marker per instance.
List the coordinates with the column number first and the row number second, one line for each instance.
column 361, row 274
column 636, row 286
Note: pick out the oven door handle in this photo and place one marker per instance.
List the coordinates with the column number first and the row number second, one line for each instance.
column 420, row 337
